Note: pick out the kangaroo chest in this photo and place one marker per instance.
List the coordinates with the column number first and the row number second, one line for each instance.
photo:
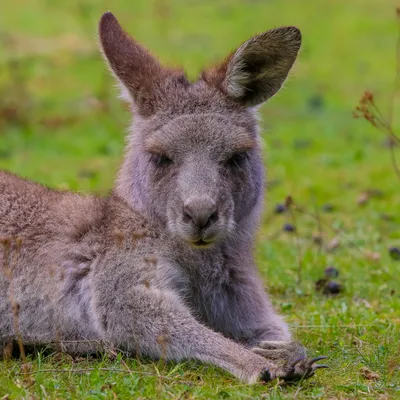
column 210, row 293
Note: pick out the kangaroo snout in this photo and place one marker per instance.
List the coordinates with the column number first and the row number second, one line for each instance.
column 200, row 211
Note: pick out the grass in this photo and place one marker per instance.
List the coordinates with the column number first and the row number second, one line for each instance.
column 61, row 124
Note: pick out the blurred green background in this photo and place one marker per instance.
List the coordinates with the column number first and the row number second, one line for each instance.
column 62, row 124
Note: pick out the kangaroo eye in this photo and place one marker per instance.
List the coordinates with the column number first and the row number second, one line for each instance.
column 238, row 159
column 160, row 160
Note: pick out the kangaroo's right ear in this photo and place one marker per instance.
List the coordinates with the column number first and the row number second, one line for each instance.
column 257, row 69
column 131, row 63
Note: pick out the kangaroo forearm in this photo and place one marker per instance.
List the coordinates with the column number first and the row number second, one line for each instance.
column 275, row 330
column 156, row 324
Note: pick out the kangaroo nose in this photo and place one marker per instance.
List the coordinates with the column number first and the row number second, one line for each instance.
column 202, row 212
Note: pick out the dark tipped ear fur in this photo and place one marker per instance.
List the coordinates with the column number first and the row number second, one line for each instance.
column 133, row 65
column 258, row 68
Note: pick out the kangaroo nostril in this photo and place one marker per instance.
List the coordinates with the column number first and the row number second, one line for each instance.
column 187, row 216
column 200, row 214
column 213, row 217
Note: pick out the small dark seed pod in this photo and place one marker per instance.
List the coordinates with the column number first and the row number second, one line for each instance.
column 394, row 253
column 331, row 272
column 280, row 209
column 332, row 287
column 289, row 228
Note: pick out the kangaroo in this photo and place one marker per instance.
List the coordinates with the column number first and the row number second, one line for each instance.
column 163, row 266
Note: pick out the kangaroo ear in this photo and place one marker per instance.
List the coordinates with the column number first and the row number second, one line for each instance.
column 258, row 68
column 131, row 63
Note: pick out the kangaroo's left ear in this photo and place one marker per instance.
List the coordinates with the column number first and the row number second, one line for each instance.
column 257, row 69
column 134, row 66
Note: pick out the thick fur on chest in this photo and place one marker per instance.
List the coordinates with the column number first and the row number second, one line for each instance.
column 211, row 290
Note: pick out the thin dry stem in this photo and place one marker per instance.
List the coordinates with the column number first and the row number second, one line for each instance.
column 291, row 206
column 368, row 110
column 8, row 268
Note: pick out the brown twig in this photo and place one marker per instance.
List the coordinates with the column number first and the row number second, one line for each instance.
column 368, row 109
column 10, row 263
column 290, row 205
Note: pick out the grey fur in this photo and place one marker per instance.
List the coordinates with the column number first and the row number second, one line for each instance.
column 164, row 265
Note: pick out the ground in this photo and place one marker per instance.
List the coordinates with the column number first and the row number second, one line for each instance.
column 61, row 124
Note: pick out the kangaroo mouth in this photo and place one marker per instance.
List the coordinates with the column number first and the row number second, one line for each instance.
column 202, row 243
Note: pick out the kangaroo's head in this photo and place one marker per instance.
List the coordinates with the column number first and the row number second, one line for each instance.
column 193, row 159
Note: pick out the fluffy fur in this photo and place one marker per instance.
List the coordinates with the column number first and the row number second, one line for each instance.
column 163, row 266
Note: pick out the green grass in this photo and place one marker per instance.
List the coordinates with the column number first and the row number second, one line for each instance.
column 61, row 124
